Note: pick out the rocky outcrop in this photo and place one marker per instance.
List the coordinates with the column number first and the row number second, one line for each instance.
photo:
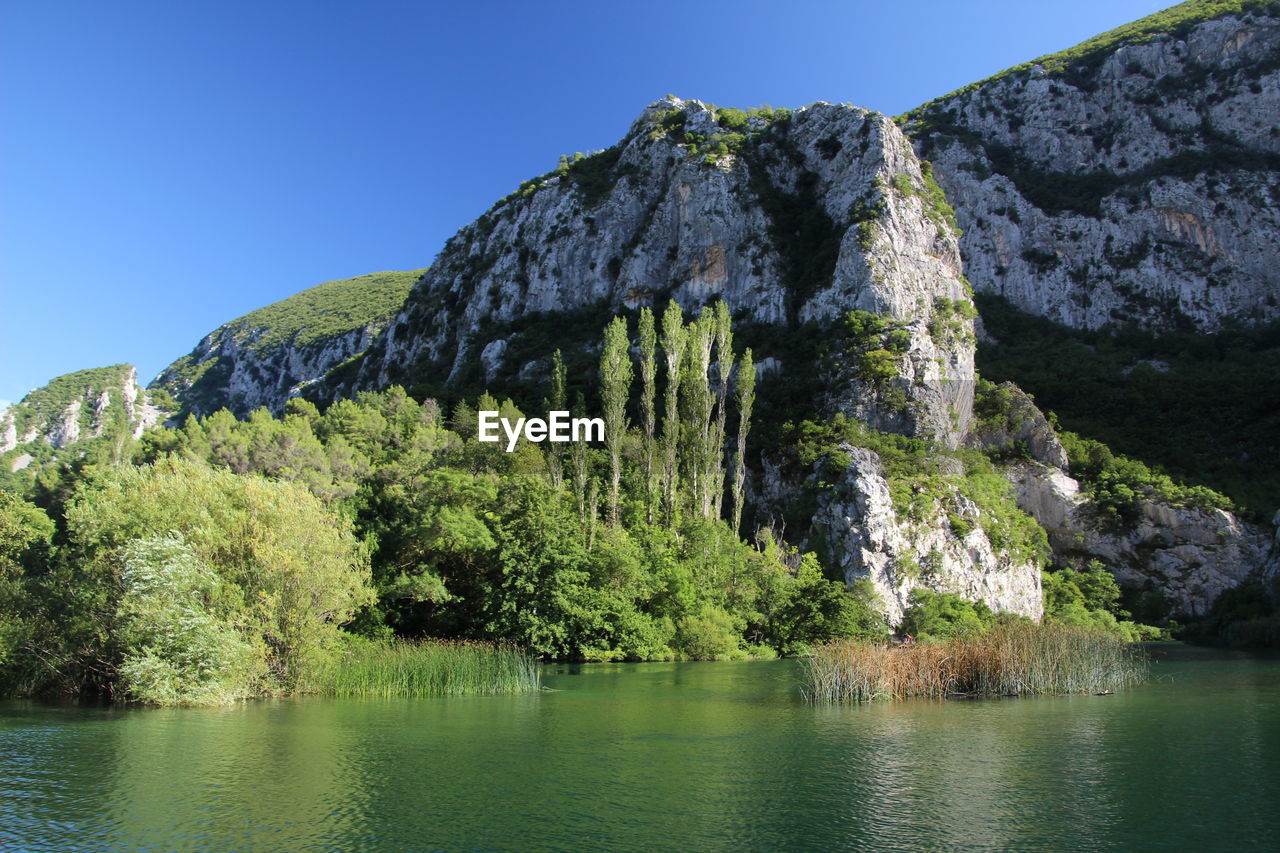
column 272, row 354
column 78, row 406
column 1189, row 555
column 788, row 217
column 1015, row 425
column 865, row 536
column 1133, row 179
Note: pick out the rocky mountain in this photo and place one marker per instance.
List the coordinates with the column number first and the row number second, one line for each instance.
column 789, row 217
column 1134, row 178
column 270, row 355
column 104, row 402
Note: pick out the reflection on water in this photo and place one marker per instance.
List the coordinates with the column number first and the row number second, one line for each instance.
column 662, row 756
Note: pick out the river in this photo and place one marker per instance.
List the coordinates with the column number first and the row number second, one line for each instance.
column 688, row 756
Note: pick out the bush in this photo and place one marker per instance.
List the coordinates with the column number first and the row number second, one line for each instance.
column 939, row 616
column 289, row 571
column 180, row 646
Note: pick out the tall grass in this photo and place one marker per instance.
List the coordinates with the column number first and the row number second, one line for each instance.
column 428, row 668
column 1014, row 658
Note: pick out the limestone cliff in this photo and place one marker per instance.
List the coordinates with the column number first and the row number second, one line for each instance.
column 270, row 355
column 952, row 547
column 75, row 407
column 1135, row 178
column 788, row 217
column 1187, row 555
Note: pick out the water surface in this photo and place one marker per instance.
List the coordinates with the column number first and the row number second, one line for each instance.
column 721, row 756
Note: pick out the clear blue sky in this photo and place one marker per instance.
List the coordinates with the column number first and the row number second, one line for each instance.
column 166, row 167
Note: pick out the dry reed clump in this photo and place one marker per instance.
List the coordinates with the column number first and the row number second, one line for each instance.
column 1010, row 659
column 428, row 668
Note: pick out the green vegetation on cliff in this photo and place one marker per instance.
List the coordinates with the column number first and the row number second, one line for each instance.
column 1086, row 56
column 1202, row 409
column 327, row 310
column 307, row 319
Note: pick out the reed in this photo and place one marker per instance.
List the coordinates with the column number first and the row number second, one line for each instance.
column 1010, row 659
column 427, row 668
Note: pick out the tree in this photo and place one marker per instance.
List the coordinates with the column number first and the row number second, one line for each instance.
column 615, row 386
column 699, row 404
column 724, row 369
column 648, row 392
column 555, row 455
column 25, row 549
column 294, row 566
column 673, row 350
column 746, row 396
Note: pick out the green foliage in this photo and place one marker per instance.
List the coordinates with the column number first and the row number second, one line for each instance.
column 816, row 609
column 595, row 175
column 1091, row 599
column 1129, row 390
column 47, row 403
column 293, row 569
column 1247, row 616
column 309, row 318
column 936, row 207
column 26, row 534
column 875, row 344
column 175, row 624
column 925, row 479
column 939, row 616
column 1118, row 485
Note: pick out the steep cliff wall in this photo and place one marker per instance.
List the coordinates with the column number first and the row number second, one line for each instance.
column 270, row 355
column 1135, row 178
column 789, row 217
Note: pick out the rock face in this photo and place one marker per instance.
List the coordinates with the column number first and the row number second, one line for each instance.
column 864, row 536
column 78, row 406
column 1189, row 555
column 786, row 216
column 1133, row 179
column 1020, row 425
column 270, row 355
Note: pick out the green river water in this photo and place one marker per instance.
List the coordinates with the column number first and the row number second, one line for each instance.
column 721, row 756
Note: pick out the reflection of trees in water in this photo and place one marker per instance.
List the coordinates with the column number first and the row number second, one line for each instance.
column 251, row 776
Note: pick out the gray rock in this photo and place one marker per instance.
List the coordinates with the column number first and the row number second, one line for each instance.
column 858, row 527
column 1143, row 189
column 1190, row 555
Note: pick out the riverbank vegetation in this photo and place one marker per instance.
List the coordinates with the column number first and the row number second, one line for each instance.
column 1014, row 657
column 320, row 551
column 426, row 668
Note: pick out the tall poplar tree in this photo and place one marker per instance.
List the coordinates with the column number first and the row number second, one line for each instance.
column 745, row 394
column 579, row 465
column 648, row 393
column 724, row 375
column 673, row 350
column 699, row 403
column 555, row 453
column 615, row 386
